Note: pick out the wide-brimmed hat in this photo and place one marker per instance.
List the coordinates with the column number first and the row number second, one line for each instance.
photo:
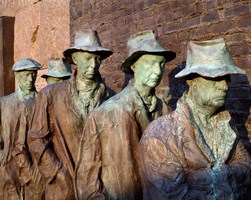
column 57, row 68
column 144, row 43
column 26, row 64
column 209, row 58
column 87, row 41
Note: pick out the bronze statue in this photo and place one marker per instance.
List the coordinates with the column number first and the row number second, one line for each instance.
column 193, row 153
column 107, row 165
column 20, row 178
column 60, row 112
column 58, row 71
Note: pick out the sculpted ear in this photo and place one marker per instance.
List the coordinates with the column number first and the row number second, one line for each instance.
column 189, row 82
column 17, row 75
column 133, row 67
column 73, row 56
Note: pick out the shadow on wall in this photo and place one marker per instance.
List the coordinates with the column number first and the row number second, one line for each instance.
column 177, row 86
column 237, row 103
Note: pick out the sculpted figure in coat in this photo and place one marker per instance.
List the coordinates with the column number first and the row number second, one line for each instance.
column 193, row 153
column 60, row 112
column 58, row 71
column 107, row 166
column 19, row 176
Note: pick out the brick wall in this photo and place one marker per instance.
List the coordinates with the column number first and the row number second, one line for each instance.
column 175, row 21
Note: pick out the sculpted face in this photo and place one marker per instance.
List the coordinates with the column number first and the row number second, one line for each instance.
column 209, row 92
column 87, row 63
column 52, row 80
column 148, row 70
column 26, row 79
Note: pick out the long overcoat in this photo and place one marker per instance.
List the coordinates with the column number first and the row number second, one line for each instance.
column 108, row 162
column 54, row 137
column 17, row 168
column 178, row 162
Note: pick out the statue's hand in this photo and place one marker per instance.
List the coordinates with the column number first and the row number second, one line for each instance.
column 63, row 175
column 200, row 180
column 36, row 175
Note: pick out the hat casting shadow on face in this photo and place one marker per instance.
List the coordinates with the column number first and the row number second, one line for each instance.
column 57, row 68
column 209, row 58
column 87, row 41
column 144, row 43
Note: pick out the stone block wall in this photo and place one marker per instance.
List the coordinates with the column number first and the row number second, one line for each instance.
column 175, row 21
column 42, row 30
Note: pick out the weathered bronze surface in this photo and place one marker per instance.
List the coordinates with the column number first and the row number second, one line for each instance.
column 193, row 153
column 19, row 176
column 58, row 71
column 59, row 115
column 107, row 167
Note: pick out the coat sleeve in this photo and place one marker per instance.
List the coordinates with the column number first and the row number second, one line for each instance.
column 162, row 173
column 39, row 140
column 88, row 170
column 20, row 152
column 240, row 170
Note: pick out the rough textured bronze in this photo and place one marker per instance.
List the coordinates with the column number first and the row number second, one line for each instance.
column 108, row 160
column 19, row 176
column 193, row 153
column 59, row 115
column 177, row 163
column 58, row 70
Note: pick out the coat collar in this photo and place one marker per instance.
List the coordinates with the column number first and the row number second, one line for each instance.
column 143, row 116
column 223, row 134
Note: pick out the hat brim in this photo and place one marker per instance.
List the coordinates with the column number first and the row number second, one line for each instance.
column 210, row 72
column 103, row 52
column 26, row 69
column 126, row 65
column 56, row 75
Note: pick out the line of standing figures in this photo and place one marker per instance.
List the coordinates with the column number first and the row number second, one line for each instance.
column 74, row 140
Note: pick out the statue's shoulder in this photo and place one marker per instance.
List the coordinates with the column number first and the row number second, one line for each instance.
column 118, row 101
column 160, row 128
column 8, row 98
column 56, row 88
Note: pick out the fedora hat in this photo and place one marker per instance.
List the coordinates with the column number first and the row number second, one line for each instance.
column 144, row 43
column 57, row 68
column 209, row 58
column 26, row 64
column 87, row 41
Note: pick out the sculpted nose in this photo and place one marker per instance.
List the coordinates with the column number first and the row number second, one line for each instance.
column 223, row 85
column 157, row 69
column 29, row 78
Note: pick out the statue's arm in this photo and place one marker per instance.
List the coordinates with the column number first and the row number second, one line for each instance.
column 20, row 152
column 240, row 165
column 39, row 140
column 88, row 169
column 163, row 175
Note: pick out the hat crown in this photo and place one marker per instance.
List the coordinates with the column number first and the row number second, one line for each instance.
column 143, row 41
column 211, row 53
column 88, row 38
column 58, row 68
column 26, row 64
column 209, row 58
column 58, row 65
